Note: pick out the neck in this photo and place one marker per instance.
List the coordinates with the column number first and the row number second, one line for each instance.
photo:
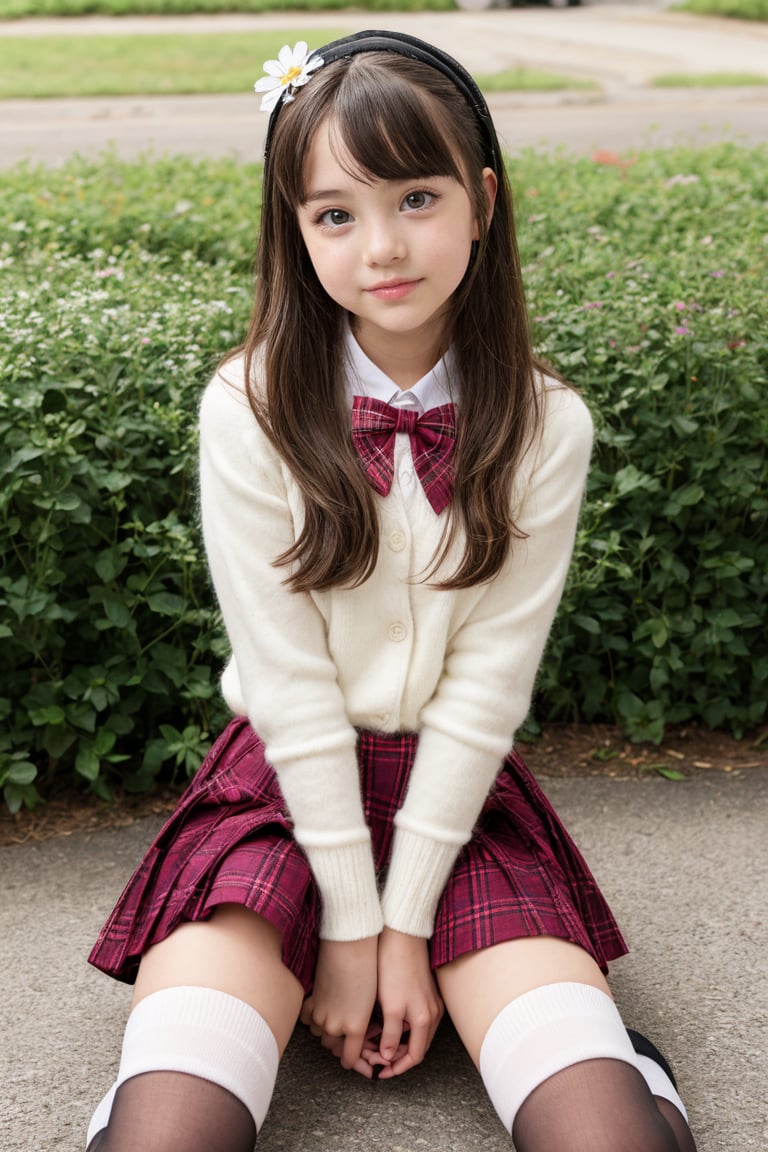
column 404, row 358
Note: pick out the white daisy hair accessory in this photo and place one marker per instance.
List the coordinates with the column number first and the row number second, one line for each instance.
column 291, row 70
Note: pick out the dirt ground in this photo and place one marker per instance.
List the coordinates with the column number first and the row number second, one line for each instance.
column 573, row 750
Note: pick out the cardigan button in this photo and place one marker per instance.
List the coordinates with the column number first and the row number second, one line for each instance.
column 396, row 541
column 397, row 631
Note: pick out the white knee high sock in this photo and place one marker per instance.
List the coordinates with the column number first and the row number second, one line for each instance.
column 204, row 1033
column 544, row 1031
column 659, row 1083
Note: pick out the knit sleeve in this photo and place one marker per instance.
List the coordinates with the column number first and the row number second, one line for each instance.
column 487, row 681
column 287, row 678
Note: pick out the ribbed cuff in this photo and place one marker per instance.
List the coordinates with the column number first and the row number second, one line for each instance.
column 346, row 877
column 207, row 1033
column 418, row 873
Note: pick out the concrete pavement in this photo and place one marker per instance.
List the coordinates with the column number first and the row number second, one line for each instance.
column 622, row 47
column 683, row 864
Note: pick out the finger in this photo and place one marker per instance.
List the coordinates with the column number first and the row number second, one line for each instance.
column 364, row 1069
column 412, row 1051
column 307, row 1009
column 373, row 1056
column 404, row 1064
column 386, row 1065
column 352, row 1049
column 391, row 1034
column 419, row 1040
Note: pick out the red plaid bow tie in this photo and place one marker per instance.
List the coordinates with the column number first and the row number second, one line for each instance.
column 433, row 442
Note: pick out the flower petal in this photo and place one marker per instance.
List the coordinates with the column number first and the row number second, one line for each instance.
column 266, row 84
column 285, row 56
column 273, row 68
column 270, row 99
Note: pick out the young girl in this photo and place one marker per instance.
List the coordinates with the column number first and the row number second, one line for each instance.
column 390, row 486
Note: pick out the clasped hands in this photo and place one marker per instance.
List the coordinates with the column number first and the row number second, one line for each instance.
column 352, row 977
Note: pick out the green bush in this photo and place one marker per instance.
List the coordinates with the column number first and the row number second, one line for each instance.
column 121, row 288
column 647, row 286
column 121, row 285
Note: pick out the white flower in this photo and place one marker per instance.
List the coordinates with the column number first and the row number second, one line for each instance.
column 290, row 70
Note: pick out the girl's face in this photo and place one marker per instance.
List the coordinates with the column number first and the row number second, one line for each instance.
column 390, row 252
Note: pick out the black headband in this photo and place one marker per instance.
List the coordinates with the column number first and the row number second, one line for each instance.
column 405, row 45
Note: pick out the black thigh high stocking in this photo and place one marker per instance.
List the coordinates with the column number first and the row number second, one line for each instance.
column 174, row 1112
column 599, row 1106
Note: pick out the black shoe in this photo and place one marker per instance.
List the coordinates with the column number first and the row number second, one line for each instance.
column 643, row 1046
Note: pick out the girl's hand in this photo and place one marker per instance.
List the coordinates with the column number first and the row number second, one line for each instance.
column 410, row 1004
column 340, row 1007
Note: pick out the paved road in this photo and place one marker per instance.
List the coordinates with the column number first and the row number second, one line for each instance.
column 621, row 46
column 683, row 864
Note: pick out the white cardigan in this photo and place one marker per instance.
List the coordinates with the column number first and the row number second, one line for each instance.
column 393, row 655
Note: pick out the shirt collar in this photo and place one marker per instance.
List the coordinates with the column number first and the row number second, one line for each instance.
column 439, row 386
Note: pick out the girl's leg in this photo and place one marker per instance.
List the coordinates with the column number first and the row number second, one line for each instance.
column 213, row 1009
column 537, row 1018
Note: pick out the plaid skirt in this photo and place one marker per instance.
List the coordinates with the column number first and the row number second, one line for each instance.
column 230, row 841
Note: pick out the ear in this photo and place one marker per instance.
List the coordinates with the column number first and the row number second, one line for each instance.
column 490, row 183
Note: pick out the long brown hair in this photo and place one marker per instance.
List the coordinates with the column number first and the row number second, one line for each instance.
column 397, row 119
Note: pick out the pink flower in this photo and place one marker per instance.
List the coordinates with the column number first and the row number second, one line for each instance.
column 145, row 340
column 679, row 306
column 592, row 304
column 682, row 330
column 718, row 275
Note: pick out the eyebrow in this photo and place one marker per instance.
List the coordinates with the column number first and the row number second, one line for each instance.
column 330, row 194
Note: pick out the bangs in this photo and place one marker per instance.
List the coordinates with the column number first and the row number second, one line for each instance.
column 384, row 128
column 390, row 118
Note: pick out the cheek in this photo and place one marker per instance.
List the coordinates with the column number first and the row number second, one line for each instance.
column 328, row 261
column 317, row 255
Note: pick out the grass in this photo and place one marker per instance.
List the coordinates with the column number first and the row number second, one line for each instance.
column 137, row 65
column 174, row 65
column 14, row 9
column 710, row 80
column 739, row 9
column 531, row 80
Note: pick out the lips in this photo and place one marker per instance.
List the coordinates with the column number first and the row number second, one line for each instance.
column 392, row 289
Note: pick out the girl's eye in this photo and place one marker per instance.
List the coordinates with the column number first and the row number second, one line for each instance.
column 334, row 218
column 416, row 200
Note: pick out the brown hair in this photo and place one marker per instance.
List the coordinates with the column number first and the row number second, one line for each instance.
column 397, row 119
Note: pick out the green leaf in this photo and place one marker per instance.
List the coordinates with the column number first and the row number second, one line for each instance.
column 109, row 564
column 659, row 632
column 52, row 715
column 87, row 763
column 588, row 623
column 117, row 612
column 22, row 772
column 665, row 771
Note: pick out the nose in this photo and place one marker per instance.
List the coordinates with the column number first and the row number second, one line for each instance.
column 384, row 242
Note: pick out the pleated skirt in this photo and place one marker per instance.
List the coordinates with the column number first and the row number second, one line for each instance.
column 230, row 841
